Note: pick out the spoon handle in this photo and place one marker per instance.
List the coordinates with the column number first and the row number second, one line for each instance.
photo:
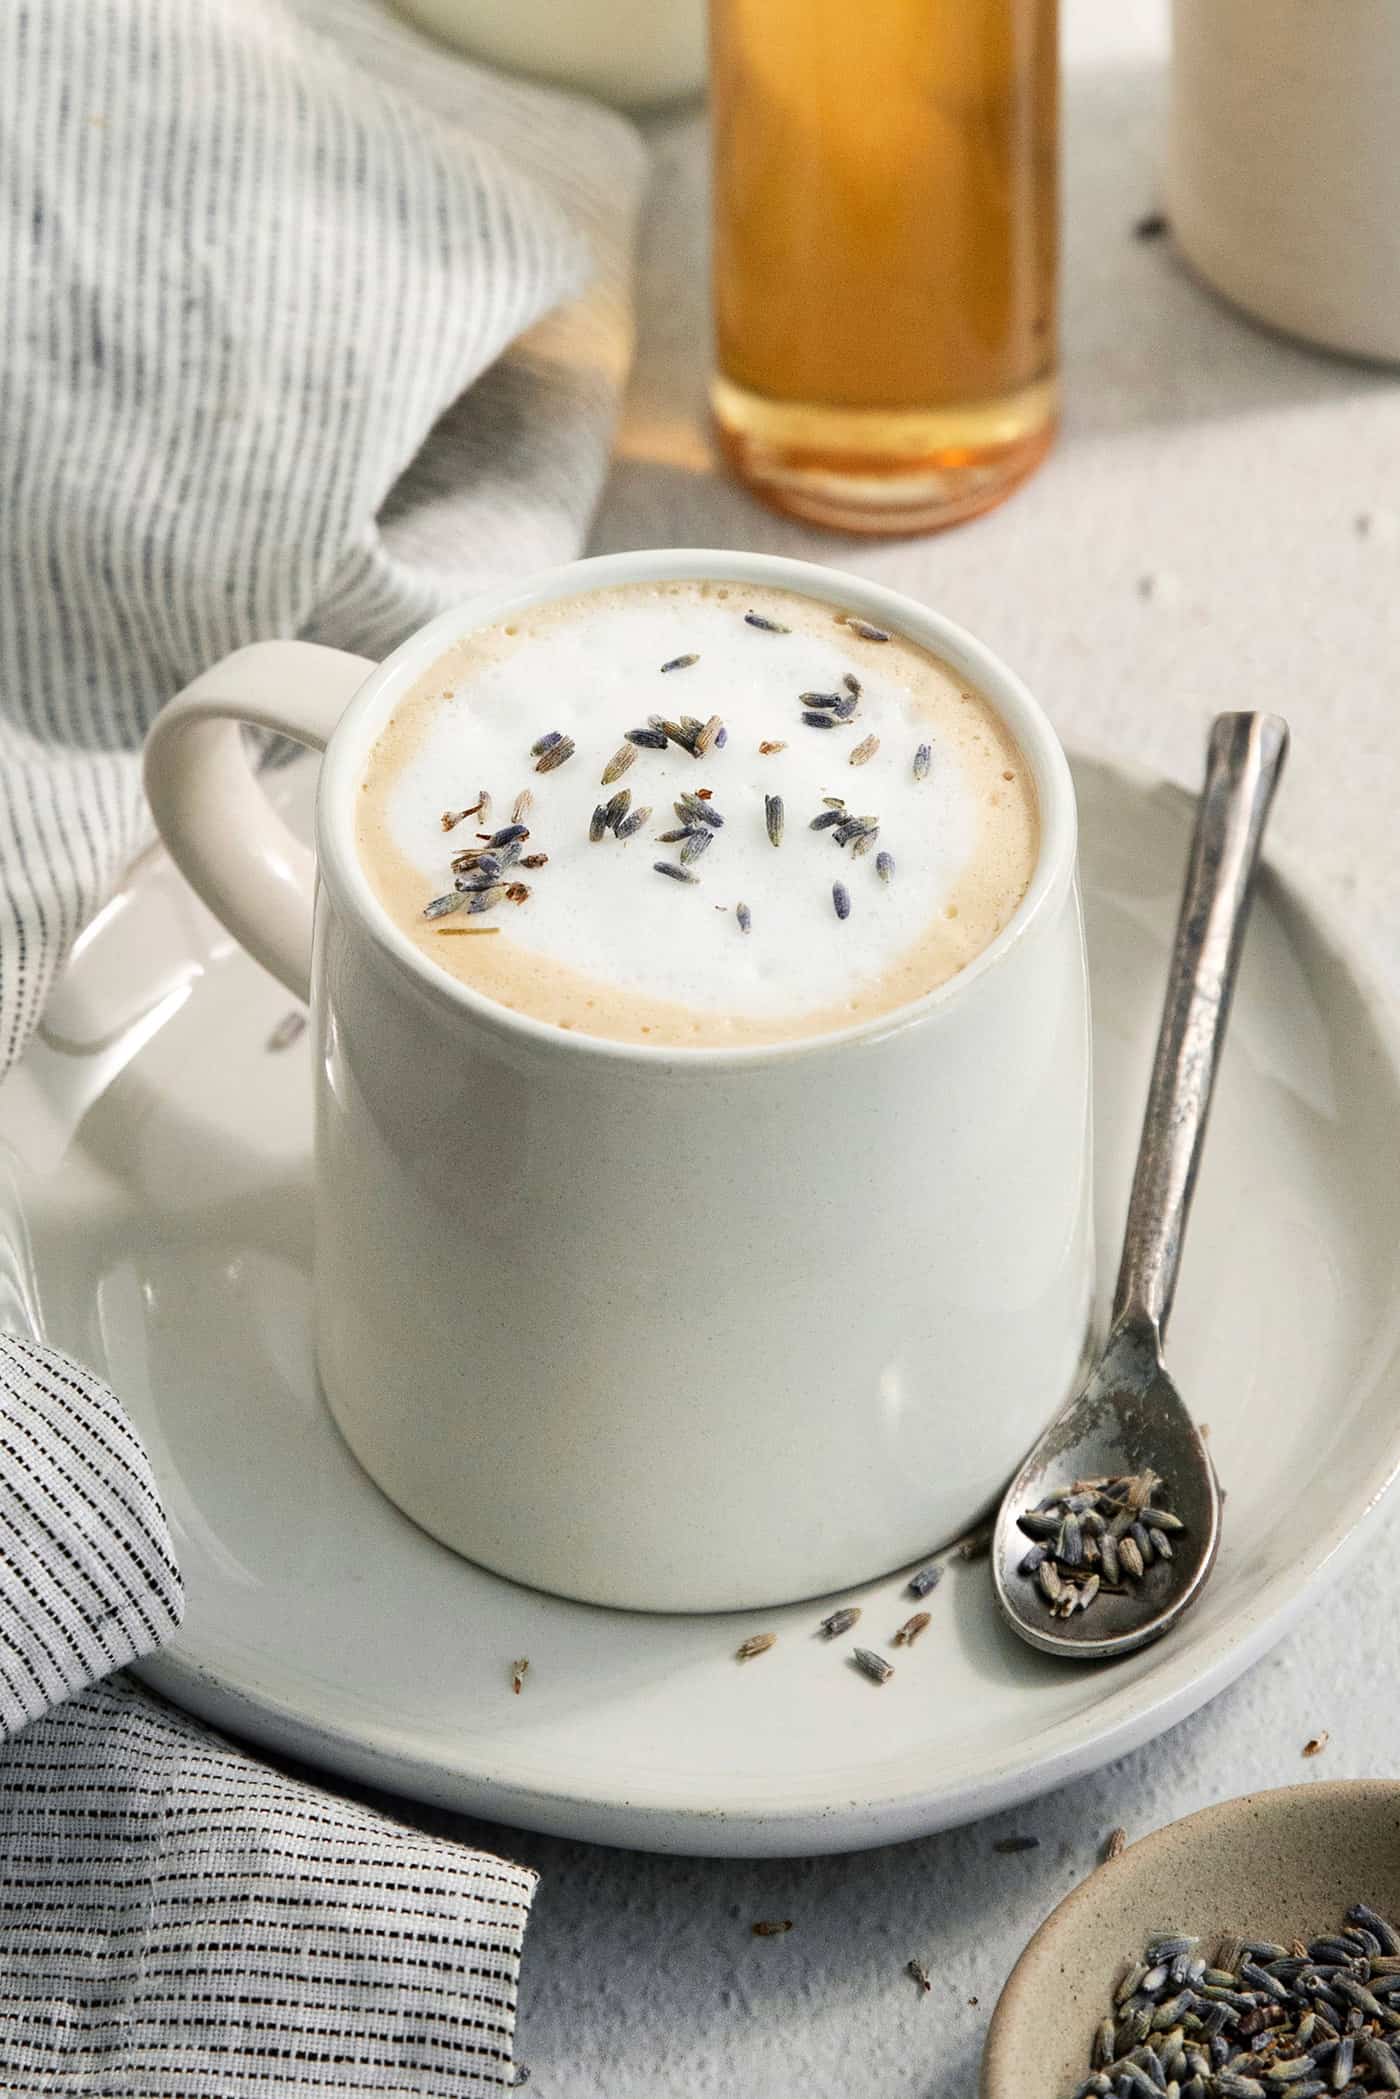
column 1243, row 764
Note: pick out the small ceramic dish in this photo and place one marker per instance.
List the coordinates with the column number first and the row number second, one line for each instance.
column 1279, row 1865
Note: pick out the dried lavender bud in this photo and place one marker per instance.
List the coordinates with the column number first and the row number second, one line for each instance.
column 697, row 843
column 692, row 808
column 556, row 755
column 840, row 1621
column 872, row 1665
column 441, row 905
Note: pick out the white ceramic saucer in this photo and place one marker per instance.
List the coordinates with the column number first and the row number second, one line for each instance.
column 156, row 1222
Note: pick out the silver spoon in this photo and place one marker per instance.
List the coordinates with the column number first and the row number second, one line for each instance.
column 1129, row 1418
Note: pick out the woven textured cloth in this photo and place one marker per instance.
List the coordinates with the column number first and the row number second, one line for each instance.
column 177, row 1919
column 308, row 328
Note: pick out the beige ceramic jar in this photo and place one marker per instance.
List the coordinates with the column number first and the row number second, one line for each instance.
column 1284, row 173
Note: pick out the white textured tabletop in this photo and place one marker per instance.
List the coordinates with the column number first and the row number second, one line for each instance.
column 1219, row 527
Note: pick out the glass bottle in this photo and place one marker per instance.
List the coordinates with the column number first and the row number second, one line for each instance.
column 885, row 217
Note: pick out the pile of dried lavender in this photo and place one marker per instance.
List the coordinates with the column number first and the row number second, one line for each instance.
column 1257, row 2021
column 1096, row 1536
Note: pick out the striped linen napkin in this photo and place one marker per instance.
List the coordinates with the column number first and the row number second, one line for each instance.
column 306, row 327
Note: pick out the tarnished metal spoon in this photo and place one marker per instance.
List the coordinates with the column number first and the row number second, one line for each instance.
column 1130, row 1418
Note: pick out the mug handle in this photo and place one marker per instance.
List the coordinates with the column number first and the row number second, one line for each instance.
column 216, row 822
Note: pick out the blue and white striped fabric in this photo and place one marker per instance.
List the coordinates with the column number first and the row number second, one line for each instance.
column 306, row 327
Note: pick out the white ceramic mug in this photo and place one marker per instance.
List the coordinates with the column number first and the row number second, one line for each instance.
column 670, row 1329
column 633, row 52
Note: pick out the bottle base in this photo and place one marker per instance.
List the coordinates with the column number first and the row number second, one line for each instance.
column 883, row 471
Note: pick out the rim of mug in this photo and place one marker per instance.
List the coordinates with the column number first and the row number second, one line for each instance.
column 347, row 753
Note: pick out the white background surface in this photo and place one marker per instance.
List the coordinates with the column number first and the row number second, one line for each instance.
column 1193, row 544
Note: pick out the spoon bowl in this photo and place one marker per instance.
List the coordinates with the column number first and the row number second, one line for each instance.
column 1129, row 1419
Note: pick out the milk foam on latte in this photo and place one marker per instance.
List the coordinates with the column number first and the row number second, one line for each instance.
column 835, row 822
